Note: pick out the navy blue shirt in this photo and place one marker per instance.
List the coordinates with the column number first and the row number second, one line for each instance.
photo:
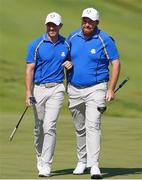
column 90, row 57
column 48, row 58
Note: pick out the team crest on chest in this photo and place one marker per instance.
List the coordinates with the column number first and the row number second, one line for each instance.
column 93, row 51
column 63, row 54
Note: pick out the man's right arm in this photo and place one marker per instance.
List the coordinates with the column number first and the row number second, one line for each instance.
column 29, row 81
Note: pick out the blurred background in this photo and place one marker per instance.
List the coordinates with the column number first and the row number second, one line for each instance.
column 21, row 21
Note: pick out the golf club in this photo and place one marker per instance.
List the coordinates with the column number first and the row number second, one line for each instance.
column 33, row 101
column 122, row 84
column 103, row 109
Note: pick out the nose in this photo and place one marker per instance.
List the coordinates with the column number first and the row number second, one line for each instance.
column 87, row 24
column 51, row 27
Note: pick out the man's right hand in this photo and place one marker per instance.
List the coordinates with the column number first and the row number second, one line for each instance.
column 28, row 101
column 28, row 95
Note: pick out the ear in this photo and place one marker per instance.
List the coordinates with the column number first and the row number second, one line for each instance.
column 97, row 22
column 60, row 26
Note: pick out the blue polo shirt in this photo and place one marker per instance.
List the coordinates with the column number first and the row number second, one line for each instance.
column 90, row 57
column 48, row 58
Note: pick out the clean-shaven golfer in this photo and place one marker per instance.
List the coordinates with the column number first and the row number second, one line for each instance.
column 92, row 50
column 45, row 62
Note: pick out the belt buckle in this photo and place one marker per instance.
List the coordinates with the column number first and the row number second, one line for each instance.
column 50, row 85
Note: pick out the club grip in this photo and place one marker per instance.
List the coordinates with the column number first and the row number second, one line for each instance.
column 122, row 84
column 32, row 100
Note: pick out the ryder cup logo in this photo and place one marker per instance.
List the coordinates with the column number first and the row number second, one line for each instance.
column 63, row 54
column 93, row 51
column 52, row 15
column 88, row 11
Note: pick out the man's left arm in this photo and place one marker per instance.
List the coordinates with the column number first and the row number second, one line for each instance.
column 113, row 79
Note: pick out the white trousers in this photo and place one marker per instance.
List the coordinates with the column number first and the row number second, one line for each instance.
column 83, row 105
column 46, row 111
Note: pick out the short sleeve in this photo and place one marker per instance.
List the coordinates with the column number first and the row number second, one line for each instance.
column 71, row 35
column 30, row 53
column 111, row 49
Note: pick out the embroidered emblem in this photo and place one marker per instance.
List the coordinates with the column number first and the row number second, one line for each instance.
column 63, row 54
column 93, row 51
column 88, row 11
column 52, row 15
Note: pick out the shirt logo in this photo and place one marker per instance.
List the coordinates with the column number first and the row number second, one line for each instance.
column 52, row 15
column 93, row 51
column 63, row 54
column 88, row 11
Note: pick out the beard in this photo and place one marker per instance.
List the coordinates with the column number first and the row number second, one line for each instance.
column 88, row 32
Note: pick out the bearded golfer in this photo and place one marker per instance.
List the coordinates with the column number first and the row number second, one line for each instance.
column 45, row 59
column 92, row 50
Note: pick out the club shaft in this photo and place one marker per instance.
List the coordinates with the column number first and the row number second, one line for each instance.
column 16, row 127
column 21, row 117
column 121, row 85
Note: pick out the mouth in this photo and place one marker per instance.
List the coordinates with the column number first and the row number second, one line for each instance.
column 52, row 31
column 88, row 28
column 87, row 31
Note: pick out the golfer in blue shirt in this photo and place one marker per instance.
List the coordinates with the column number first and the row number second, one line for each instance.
column 45, row 62
column 91, row 52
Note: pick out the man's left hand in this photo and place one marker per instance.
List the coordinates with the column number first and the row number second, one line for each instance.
column 110, row 95
column 67, row 65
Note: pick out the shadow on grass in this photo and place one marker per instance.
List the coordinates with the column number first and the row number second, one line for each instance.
column 65, row 172
column 111, row 172
column 106, row 172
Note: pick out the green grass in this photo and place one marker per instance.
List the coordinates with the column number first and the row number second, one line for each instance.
column 21, row 21
column 120, row 154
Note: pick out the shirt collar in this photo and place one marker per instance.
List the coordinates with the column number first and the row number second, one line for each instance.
column 46, row 39
column 95, row 34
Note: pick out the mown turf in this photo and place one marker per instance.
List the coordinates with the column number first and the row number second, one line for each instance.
column 120, row 154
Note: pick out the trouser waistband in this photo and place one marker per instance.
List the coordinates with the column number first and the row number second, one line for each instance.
column 48, row 85
column 83, row 87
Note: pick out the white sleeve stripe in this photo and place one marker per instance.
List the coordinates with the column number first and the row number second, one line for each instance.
column 67, row 44
column 102, row 41
column 37, row 49
column 73, row 36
